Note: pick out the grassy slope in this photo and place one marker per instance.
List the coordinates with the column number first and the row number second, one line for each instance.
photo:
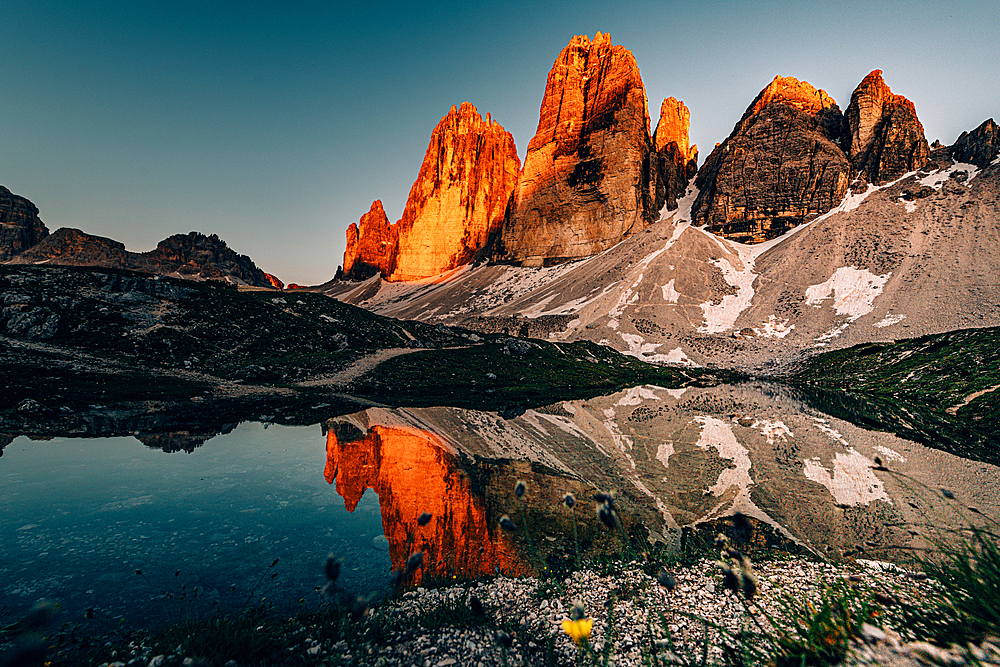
column 908, row 387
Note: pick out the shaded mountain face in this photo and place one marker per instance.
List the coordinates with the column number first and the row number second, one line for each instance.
column 456, row 204
column 979, row 147
column 886, row 138
column 678, row 160
column 20, row 227
column 591, row 174
column 793, row 154
column 193, row 256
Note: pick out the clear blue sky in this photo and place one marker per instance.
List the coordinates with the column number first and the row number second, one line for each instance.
column 276, row 125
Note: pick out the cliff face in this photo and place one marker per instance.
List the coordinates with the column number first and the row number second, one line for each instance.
column 371, row 245
column 979, row 147
column 20, row 227
column 460, row 195
column 587, row 181
column 456, row 204
column 886, row 138
column 780, row 167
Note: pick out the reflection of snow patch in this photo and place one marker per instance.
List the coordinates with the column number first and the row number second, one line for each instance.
column 831, row 334
column 718, row 434
column 773, row 328
column 772, row 430
column 835, row 435
column 663, row 453
column 670, row 295
column 636, row 395
column 853, row 291
column 889, row 320
column 722, row 316
column 852, row 481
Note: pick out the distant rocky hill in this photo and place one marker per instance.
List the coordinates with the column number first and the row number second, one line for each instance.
column 24, row 239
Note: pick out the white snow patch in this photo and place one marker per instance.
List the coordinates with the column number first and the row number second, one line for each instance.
column 910, row 206
column 640, row 349
column 722, row 316
column 773, row 430
column 888, row 321
column 823, row 339
column 773, row 328
column 853, row 291
column 718, row 434
column 850, row 479
column 670, row 295
column 890, row 454
column 677, row 393
column 822, row 425
column 937, row 179
column 636, row 395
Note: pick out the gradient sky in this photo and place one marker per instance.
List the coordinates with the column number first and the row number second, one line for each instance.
column 276, row 125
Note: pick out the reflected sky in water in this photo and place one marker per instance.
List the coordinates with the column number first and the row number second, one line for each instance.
column 80, row 516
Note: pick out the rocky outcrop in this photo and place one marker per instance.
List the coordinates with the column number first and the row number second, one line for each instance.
column 371, row 246
column 678, row 160
column 274, row 280
column 886, row 138
column 193, row 255
column 455, row 206
column 20, row 227
column 588, row 181
column 780, row 167
column 979, row 147
column 459, row 198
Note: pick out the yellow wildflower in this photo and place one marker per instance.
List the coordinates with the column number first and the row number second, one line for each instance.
column 579, row 631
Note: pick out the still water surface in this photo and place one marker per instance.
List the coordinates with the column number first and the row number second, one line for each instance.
column 79, row 516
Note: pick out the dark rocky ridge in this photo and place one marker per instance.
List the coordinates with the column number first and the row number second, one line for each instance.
column 20, row 227
column 193, row 256
column 979, row 147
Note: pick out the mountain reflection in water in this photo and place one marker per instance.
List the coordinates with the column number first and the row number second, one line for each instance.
column 412, row 472
column 677, row 458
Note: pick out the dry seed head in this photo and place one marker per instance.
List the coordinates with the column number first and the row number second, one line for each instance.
column 569, row 500
column 749, row 584
column 415, row 560
column 424, row 519
column 507, row 524
column 577, row 611
column 666, row 580
column 332, row 568
column 607, row 516
column 520, row 488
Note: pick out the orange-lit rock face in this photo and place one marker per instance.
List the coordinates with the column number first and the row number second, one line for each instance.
column 675, row 122
column 412, row 472
column 886, row 138
column 460, row 195
column 780, row 167
column 371, row 245
column 586, row 183
column 275, row 282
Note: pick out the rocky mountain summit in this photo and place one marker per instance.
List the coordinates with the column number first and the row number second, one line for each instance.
column 592, row 175
column 456, row 204
column 20, row 227
column 781, row 165
column 24, row 239
column 886, row 138
column 979, row 147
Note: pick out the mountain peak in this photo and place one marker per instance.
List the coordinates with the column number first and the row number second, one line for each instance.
column 793, row 93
